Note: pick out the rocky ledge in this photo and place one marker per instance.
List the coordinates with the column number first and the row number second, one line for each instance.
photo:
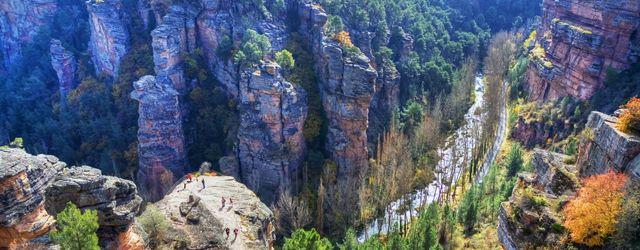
column 198, row 217
column 115, row 200
column 23, row 180
column 603, row 147
column 531, row 218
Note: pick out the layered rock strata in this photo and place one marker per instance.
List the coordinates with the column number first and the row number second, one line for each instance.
column 198, row 214
column 604, row 148
column 172, row 39
column 347, row 85
column 65, row 65
column 23, row 181
column 109, row 35
column 271, row 144
column 578, row 42
column 161, row 144
column 530, row 219
column 115, row 200
column 20, row 21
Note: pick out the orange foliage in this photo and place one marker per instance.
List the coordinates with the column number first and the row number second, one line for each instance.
column 343, row 38
column 591, row 216
column 630, row 119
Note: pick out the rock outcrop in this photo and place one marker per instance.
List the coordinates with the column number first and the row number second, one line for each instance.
column 384, row 102
column 347, row 85
column 65, row 65
column 115, row 200
column 199, row 219
column 271, row 144
column 20, row 21
column 531, row 218
column 604, row 148
column 578, row 42
column 23, row 181
column 109, row 39
column 172, row 39
column 161, row 144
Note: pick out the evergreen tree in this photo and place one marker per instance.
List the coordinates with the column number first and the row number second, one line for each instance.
column 76, row 230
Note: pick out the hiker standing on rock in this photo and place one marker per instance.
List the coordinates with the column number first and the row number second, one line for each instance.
column 203, row 186
column 227, row 231
column 235, row 234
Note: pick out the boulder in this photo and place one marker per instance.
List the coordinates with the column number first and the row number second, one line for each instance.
column 604, row 148
column 115, row 200
column 161, row 144
column 65, row 65
column 581, row 40
column 23, row 181
column 198, row 219
column 109, row 35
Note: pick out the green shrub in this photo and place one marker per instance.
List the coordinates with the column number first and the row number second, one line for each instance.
column 155, row 224
column 310, row 240
column 75, row 229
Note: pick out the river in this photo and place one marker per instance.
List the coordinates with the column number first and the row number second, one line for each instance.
column 458, row 147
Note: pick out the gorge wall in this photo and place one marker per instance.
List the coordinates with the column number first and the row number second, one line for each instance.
column 578, row 42
column 347, row 85
column 20, row 21
column 109, row 35
column 161, row 145
column 65, row 64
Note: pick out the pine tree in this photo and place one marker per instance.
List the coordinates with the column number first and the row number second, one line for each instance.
column 75, row 229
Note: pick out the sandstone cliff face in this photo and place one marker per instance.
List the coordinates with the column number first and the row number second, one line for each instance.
column 109, row 38
column 603, row 147
column 271, row 144
column 161, row 145
column 347, row 85
column 115, row 200
column 173, row 38
column 384, row 102
column 198, row 215
column 20, row 21
column 223, row 21
column 530, row 220
column 23, row 180
column 65, row 65
column 581, row 40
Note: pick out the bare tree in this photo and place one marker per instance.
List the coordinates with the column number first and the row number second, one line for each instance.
column 291, row 213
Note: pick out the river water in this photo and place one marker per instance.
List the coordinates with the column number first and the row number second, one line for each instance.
column 454, row 155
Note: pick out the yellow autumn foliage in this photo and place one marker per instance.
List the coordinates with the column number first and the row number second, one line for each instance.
column 591, row 216
column 629, row 121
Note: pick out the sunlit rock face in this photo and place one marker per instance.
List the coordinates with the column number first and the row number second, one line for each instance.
column 65, row 65
column 20, row 21
column 172, row 39
column 161, row 145
column 347, row 86
column 604, row 148
column 109, row 35
column 581, row 40
column 115, row 200
column 271, row 144
column 23, row 181
column 197, row 215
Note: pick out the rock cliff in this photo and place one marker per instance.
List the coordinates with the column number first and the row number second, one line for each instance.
column 23, row 181
column 109, row 35
column 161, row 144
column 20, row 21
column 115, row 200
column 347, row 86
column 173, row 38
column 532, row 218
column 578, row 42
column 271, row 144
column 603, row 147
column 198, row 215
column 65, row 65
